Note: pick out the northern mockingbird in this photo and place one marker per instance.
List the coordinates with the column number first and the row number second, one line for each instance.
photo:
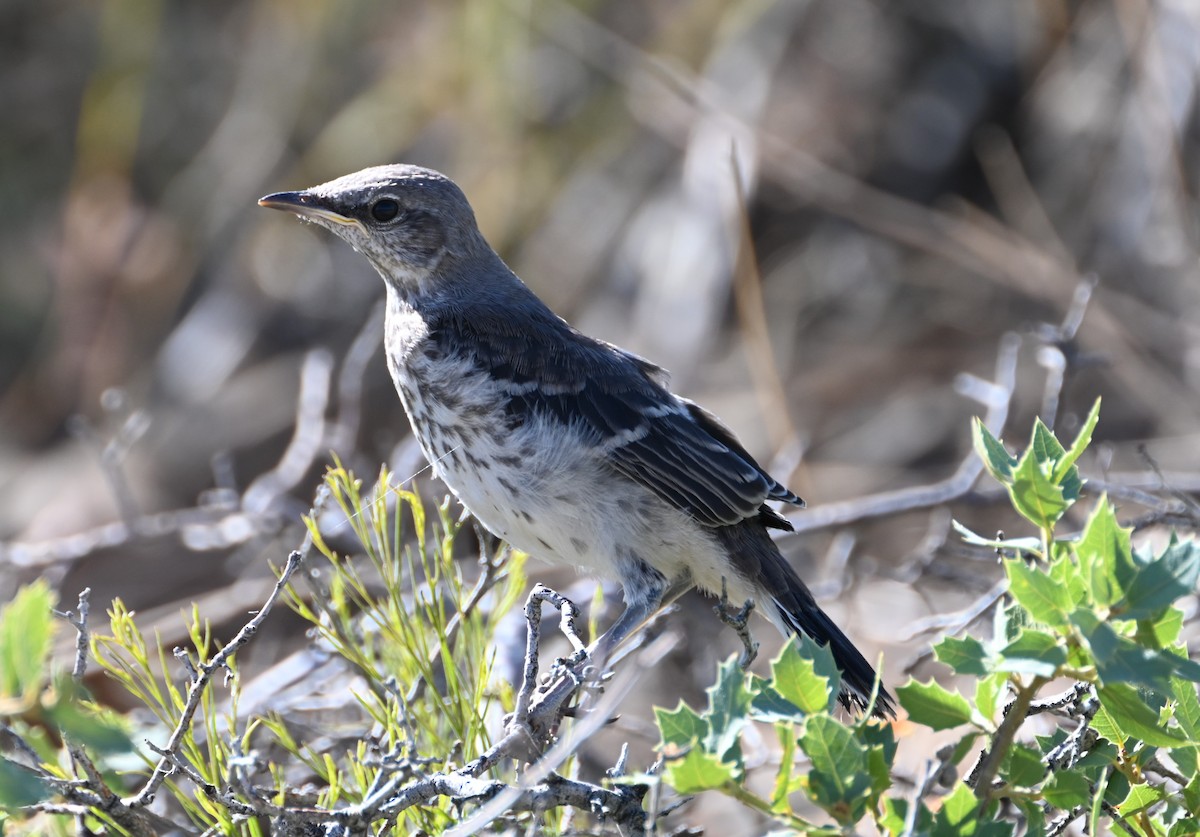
column 569, row 448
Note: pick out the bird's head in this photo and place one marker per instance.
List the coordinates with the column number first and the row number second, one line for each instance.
column 407, row 220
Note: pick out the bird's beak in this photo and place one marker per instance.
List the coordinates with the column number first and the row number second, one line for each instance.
column 306, row 205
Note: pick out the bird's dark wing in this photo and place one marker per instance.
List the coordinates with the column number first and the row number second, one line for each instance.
column 671, row 446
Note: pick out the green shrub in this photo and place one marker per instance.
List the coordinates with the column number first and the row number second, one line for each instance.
column 1086, row 612
column 1086, row 637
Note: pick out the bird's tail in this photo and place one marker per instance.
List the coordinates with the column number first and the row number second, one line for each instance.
column 755, row 552
column 802, row 615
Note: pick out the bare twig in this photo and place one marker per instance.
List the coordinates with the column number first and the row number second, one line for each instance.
column 989, row 761
column 307, row 443
column 112, row 452
column 1060, row 354
column 205, row 526
column 78, row 620
column 996, row 397
column 935, row 774
column 205, row 673
column 1183, row 497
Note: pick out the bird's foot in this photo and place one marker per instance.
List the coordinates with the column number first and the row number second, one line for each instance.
column 738, row 618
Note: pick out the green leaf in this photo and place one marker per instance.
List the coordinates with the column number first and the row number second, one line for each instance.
column 881, row 737
column 1023, row 766
column 729, row 706
column 879, row 764
column 698, row 770
column 1066, row 789
column 1119, row 659
column 1105, row 555
column 987, row 693
column 1047, row 450
column 805, row 674
column 1082, row 440
column 1035, row 817
column 783, row 779
column 933, row 705
column 1046, row 601
column 964, row 747
column 681, row 727
column 26, row 630
column 965, row 656
column 1064, row 571
column 769, row 706
column 1008, row 621
column 959, row 810
column 99, row 730
column 1032, row 652
column 1140, row 798
column 962, row 815
column 1034, row 494
column 1158, row 584
column 1130, row 716
column 1186, row 827
column 895, row 816
column 1191, row 795
column 1187, row 707
column 839, row 780
column 1163, row 631
column 994, row 455
column 19, row 786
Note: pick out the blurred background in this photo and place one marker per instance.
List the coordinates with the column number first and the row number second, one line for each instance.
column 831, row 220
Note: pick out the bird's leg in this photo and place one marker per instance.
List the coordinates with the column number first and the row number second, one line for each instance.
column 642, row 602
column 738, row 619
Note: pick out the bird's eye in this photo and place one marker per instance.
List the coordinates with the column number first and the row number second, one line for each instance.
column 385, row 210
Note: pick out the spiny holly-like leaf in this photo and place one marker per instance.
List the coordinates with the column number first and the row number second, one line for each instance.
column 1033, row 492
column 729, row 706
column 1023, row 766
column 698, row 770
column 1105, row 555
column 1046, row 601
column 1119, row 659
column 839, row 780
column 987, row 693
column 961, row 816
column 1187, row 706
column 1032, row 652
column 1067, row 789
column 1065, row 573
column 1191, row 795
column 1163, row 631
column 966, row 655
column 805, row 674
column 1139, row 798
column 1045, row 446
column 1129, row 715
column 1159, row 583
column 682, row 726
column 1185, row 827
column 933, row 705
column 995, row 457
column 769, row 706
column 1082, row 440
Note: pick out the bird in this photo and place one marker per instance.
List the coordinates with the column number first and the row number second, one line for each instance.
column 569, row 448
